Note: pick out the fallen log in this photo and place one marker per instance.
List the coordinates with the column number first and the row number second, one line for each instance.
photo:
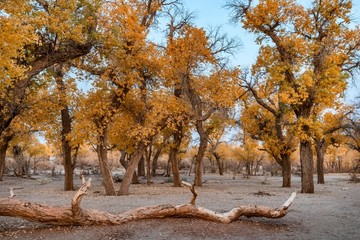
column 75, row 215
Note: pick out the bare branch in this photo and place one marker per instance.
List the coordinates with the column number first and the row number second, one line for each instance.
column 192, row 189
column 44, row 4
column 238, row 9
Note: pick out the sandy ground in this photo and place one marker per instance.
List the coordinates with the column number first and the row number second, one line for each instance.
column 333, row 212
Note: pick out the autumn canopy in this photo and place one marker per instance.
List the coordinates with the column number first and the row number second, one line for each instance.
column 150, row 97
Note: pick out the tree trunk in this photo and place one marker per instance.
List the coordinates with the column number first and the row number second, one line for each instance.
column 3, row 148
column 220, row 163
column 68, row 165
column 5, row 138
column 75, row 215
column 148, row 165
column 19, row 159
column 248, row 168
column 175, row 167
column 134, row 161
column 122, row 159
column 125, row 164
column 66, row 129
column 155, row 160
column 34, row 166
column 320, row 146
column 141, row 167
column 204, row 137
column 103, row 162
column 307, row 172
column 173, row 155
column 168, row 168
column 286, row 170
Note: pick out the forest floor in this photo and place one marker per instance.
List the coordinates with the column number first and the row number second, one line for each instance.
column 333, row 212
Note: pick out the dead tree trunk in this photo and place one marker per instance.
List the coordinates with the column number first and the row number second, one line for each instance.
column 75, row 215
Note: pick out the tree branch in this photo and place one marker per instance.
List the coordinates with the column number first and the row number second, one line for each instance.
column 76, row 216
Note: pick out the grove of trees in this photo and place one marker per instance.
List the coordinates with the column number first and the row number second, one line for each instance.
column 160, row 85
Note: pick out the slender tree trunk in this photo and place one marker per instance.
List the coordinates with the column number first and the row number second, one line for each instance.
column 320, row 155
column 148, row 164
column 155, row 161
column 168, row 168
column 248, row 168
column 66, row 129
column 75, row 155
column 68, row 167
column 122, row 159
column 68, row 164
column 173, row 156
column 204, row 137
column 134, row 161
column 124, row 163
column 175, row 167
column 141, row 167
column 19, row 159
column 103, row 162
column 5, row 138
column 34, row 166
column 220, row 163
column 286, row 170
column 307, row 168
column 3, row 148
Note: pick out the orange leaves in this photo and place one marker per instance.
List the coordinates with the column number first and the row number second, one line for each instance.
column 189, row 50
column 307, row 58
column 269, row 14
column 219, row 88
column 15, row 33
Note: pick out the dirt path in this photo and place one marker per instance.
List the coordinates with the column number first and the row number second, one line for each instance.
column 332, row 213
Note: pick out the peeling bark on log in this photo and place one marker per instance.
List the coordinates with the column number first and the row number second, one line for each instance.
column 75, row 215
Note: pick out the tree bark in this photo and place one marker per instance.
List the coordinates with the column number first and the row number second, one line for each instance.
column 320, row 146
column 173, row 155
column 19, row 159
column 286, row 170
column 219, row 162
column 155, row 160
column 103, row 162
column 204, row 137
column 307, row 172
column 125, row 164
column 148, row 165
column 175, row 167
column 66, row 130
column 75, row 215
column 3, row 148
column 134, row 161
column 5, row 138
column 141, row 167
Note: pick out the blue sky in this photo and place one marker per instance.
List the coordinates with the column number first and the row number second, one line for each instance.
column 212, row 13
